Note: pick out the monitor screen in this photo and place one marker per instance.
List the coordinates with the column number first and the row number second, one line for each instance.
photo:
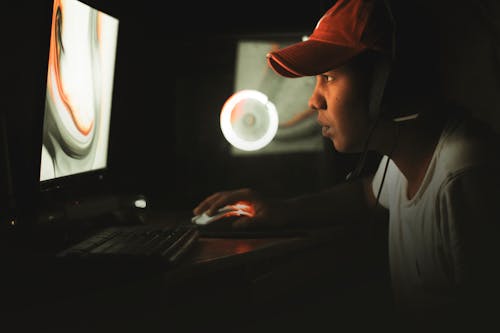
column 81, row 65
column 267, row 113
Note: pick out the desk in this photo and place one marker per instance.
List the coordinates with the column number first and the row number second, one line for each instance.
column 222, row 284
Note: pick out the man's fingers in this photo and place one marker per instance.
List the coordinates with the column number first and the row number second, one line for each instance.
column 217, row 200
column 220, row 199
column 224, row 199
column 206, row 204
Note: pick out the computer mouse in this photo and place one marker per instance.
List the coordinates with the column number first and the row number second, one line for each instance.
column 219, row 227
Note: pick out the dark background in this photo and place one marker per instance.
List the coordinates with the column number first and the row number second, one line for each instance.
column 174, row 70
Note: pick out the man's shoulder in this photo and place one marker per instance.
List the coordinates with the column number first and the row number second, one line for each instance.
column 466, row 143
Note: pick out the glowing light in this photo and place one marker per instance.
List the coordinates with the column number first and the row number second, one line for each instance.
column 249, row 130
column 140, row 203
column 242, row 208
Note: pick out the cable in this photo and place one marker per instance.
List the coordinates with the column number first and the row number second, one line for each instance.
column 381, row 72
column 382, row 182
column 389, row 156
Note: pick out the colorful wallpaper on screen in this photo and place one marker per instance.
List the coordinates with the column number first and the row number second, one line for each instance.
column 79, row 90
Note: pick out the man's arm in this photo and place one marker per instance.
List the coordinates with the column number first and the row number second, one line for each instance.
column 343, row 203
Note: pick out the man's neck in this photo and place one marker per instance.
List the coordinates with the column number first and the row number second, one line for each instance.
column 415, row 146
column 411, row 143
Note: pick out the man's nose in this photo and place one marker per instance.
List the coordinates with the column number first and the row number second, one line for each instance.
column 316, row 101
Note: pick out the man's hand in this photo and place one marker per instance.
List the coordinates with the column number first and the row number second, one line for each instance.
column 263, row 211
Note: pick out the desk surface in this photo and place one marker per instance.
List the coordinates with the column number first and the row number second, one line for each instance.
column 220, row 280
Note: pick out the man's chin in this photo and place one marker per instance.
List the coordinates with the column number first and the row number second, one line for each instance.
column 344, row 149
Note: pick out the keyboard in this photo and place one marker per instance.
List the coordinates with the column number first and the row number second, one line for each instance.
column 145, row 243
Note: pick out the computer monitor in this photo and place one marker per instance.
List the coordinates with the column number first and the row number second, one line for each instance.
column 268, row 114
column 79, row 90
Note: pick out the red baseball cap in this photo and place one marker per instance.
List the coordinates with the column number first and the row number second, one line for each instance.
column 348, row 28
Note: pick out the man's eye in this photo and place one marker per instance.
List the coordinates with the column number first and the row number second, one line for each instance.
column 328, row 78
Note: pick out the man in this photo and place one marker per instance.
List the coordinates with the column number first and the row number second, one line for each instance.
column 438, row 177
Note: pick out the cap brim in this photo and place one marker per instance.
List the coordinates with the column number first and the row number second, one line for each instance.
column 309, row 58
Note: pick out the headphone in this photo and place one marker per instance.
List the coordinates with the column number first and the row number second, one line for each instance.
column 381, row 73
column 382, row 70
column 380, row 77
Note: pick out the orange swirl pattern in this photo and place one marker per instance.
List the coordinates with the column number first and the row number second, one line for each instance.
column 56, row 48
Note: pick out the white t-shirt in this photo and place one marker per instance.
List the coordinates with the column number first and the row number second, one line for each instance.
column 444, row 241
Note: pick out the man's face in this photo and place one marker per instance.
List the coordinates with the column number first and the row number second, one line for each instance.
column 341, row 99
